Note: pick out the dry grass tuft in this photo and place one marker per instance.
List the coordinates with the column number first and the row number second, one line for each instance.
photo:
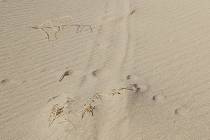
column 56, row 112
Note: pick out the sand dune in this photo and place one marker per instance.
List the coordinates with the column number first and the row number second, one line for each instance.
column 104, row 70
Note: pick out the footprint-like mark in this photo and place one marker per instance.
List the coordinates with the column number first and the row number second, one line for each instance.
column 134, row 81
column 181, row 111
column 96, row 73
column 52, row 27
column 158, row 98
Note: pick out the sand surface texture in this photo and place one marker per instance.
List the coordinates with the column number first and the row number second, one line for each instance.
column 104, row 70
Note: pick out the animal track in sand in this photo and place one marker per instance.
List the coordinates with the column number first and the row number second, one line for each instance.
column 52, row 27
column 132, row 81
column 133, row 88
column 55, row 29
column 83, row 27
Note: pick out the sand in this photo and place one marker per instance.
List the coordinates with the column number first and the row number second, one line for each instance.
column 104, row 70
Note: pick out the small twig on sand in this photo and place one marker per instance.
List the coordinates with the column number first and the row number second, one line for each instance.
column 132, row 12
column 66, row 73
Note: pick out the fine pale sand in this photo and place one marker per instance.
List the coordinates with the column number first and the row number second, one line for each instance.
column 104, row 70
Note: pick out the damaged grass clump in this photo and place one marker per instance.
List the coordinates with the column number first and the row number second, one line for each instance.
column 91, row 105
column 88, row 108
column 57, row 111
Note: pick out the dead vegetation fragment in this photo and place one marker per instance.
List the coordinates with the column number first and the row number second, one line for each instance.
column 91, row 105
column 133, row 12
column 88, row 108
column 91, row 102
column 66, row 73
column 52, row 98
column 57, row 111
column 96, row 97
